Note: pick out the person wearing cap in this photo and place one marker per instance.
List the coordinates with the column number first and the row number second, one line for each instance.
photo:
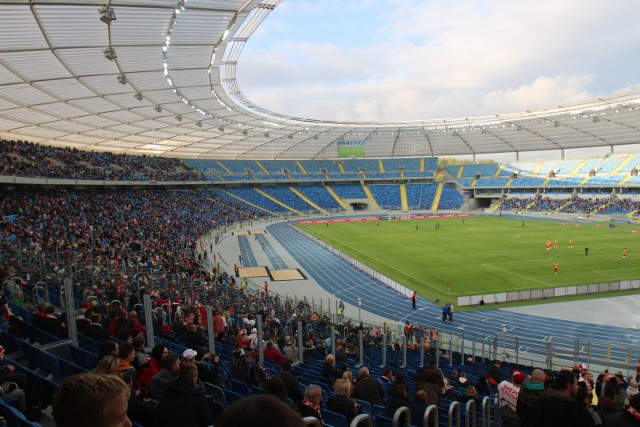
column 531, row 392
column 508, row 399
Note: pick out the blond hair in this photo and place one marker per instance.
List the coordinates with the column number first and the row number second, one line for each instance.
column 81, row 399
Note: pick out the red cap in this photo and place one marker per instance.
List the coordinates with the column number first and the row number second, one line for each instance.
column 518, row 376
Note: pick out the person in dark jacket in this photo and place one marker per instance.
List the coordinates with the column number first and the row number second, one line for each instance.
column 340, row 402
column 183, row 404
column 238, row 368
column 368, row 388
column 418, row 408
column 560, row 408
column 290, row 381
column 430, row 380
column 397, row 399
column 529, row 397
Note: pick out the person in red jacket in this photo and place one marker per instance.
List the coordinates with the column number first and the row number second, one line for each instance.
column 272, row 353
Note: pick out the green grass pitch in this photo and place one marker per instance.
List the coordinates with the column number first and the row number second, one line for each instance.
column 487, row 255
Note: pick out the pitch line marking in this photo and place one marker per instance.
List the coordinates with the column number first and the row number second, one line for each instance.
column 519, row 275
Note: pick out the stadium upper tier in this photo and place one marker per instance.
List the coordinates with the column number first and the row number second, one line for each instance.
column 130, row 77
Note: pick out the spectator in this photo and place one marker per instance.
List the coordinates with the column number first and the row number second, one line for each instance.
column 238, row 367
column 494, row 374
column 310, row 405
column 183, row 404
column 207, row 371
column 329, row 372
column 272, row 353
column 508, row 399
column 529, row 397
column 341, row 402
column 260, row 410
column 90, row 399
column 560, row 408
column 290, row 381
column 386, row 380
column 397, row 399
column 431, row 381
column 167, row 376
column 146, row 374
column 368, row 388
column 418, row 408
column 258, row 374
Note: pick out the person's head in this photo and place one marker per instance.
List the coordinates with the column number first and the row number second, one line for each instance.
column 471, row 391
column 420, row 396
column 607, row 404
column 127, row 351
column 277, row 388
column 387, row 373
column 188, row 374
column 518, row 377
column 106, row 365
column 363, row 372
column 330, row 359
column 189, row 356
column 566, row 382
column 138, row 342
column 634, row 401
column 463, row 374
column 92, row 399
column 159, row 351
column 342, row 386
column 110, row 347
column 171, row 362
column 313, row 393
column 537, row 376
column 263, row 410
column 398, row 390
column 285, row 366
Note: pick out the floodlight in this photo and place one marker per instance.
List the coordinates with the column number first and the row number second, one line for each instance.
column 110, row 54
column 158, row 109
column 179, row 117
column 122, row 79
column 107, row 15
column 138, row 96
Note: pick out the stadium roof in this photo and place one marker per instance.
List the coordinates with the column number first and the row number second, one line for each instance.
column 158, row 77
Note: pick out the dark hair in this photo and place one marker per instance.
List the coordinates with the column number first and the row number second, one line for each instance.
column 170, row 361
column 263, row 409
column 187, row 372
column 125, row 349
column 157, row 350
column 277, row 388
column 563, row 379
column 285, row 366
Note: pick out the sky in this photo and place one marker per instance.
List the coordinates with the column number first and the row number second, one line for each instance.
column 401, row 60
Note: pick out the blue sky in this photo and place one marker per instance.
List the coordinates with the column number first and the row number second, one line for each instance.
column 389, row 60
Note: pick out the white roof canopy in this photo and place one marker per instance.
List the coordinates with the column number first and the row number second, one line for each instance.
column 158, row 77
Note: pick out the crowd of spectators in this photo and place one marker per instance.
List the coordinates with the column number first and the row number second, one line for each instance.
column 19, row 158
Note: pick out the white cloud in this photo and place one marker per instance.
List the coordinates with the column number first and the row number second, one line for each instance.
column 419, row 59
